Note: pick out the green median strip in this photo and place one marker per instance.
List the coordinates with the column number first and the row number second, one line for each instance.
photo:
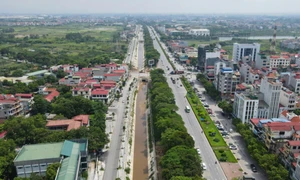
column 212, row 134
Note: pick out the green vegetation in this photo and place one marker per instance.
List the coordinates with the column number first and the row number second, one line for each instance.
column 226, row 107
column 209, row 87
column 225, row 155
column 179, row 158
column 80, row 44
column 51, row 171
column 150, row 51
column 269, row 162
column 210, row 130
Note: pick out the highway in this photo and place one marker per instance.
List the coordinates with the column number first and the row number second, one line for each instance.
column 214, row 171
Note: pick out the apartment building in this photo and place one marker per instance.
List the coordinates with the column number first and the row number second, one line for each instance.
column 287, row 99
column 262, row 61
column 245, row 106
column 276, row 61
column 242, row 50
column 226, row 80
column 270, row 88
column 295, row 82
column 26, row 102
column 10, row 106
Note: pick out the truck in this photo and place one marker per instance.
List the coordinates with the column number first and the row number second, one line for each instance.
column 177, row 72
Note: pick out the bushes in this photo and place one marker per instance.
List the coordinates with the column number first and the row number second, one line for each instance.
column 180, row 158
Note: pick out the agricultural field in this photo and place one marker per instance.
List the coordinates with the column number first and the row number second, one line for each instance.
column 80, row 43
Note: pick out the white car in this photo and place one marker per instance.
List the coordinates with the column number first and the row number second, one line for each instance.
column 204, row 166
column 198, row 151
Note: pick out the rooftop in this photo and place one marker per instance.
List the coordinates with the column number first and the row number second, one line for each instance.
column 37, row 73
column 39, row 151
column 294, row 143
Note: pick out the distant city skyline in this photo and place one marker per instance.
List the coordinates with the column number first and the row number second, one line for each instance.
column 264, row 7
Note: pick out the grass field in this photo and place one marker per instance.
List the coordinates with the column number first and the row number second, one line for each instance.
column 52, row 39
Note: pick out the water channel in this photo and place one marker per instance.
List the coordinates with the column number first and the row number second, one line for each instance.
column 140, row 161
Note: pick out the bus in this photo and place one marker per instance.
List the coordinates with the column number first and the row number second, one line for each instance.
column 187, row 109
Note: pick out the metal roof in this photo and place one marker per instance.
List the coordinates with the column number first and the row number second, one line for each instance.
column 39, row 151
column 69, row 165
column 37, row 73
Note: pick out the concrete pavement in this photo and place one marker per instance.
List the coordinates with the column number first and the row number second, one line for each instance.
column 214, row 171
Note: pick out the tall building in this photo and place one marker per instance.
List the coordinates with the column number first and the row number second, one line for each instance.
column 245, row 106
column 226, row 79
column 201, row 57
column 243, row 50
column 270, row 88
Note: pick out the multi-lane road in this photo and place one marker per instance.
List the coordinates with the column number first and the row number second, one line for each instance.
column 214, row 171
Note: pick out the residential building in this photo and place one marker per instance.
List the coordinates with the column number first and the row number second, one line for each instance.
column 295, row 82
column 26, row 102
column 113, row 77
column 69, row 124
column 72, row 155
column 199, row 32
column 245, row 106
column 287, row 99
column 262, row 61
column 82, row 91
column 10, row 106
column 270, row 88
column 100, row 94
column 242, row 50
column 276, row 61
column 70, row 80
column 226, row 81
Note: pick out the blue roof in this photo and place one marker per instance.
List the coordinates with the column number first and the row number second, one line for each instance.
column 264, row 121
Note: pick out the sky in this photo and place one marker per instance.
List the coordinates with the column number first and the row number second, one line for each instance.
column 265, row 7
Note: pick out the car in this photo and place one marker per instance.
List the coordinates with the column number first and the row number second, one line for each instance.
column 253, row 168
column 232, row 148
column 198, row 151
column 206, row 105
column 204, row 166
column 123, row 101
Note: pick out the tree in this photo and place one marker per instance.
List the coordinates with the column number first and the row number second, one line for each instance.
column 51, row 171
column 181, row 161
column 194, row 61
column 171, row 138
column 25, row 130
column 7, row 155
column 40, row 106
column 226, row 107
column 297, row 111
column 60, row 74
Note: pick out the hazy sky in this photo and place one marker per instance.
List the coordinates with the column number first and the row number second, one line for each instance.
column 151, row 6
